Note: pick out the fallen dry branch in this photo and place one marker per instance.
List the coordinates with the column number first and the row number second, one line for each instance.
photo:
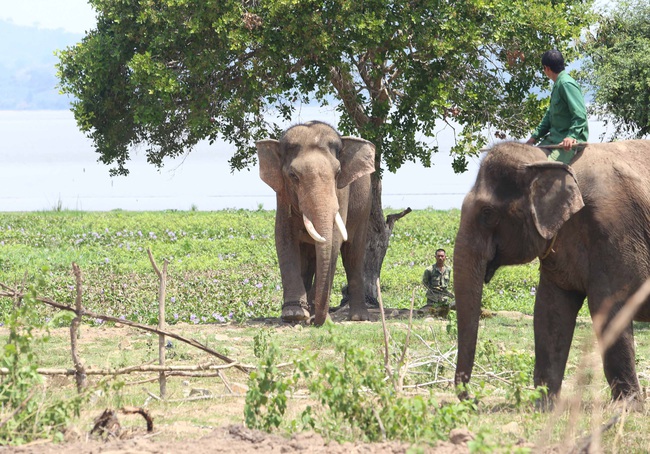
column 585, row 445
column 107, row 424
column 131, row 369
column 142, row 412
column 12, row 293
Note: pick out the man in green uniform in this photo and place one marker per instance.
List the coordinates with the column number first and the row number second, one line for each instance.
column 565, row 122
column 436, row 280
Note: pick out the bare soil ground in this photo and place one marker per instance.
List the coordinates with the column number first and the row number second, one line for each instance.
column 239, row 439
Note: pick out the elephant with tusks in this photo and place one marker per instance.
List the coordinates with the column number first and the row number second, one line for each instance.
column 323, row 191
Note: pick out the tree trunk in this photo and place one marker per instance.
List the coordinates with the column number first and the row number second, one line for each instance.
column 379, row 232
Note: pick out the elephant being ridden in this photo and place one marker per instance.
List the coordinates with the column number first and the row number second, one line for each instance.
column 589, row 223
column 323, row 191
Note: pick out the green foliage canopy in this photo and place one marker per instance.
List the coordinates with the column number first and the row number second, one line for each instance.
column 619, row 68
column 166, row 74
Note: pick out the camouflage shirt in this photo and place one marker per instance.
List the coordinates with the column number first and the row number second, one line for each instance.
column 433, row 278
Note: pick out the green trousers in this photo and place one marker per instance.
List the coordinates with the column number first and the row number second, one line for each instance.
column 562, row 155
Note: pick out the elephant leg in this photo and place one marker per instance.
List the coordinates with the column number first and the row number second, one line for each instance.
column 308, row 270
column 295, row 307
column 620, row 369
column 618, row 359
column 554, row 323
column 352, row 256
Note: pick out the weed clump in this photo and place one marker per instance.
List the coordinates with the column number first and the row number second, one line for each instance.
column 26, row 412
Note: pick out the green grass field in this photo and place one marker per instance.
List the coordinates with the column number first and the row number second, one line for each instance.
column 223, row 273
column 222, row 265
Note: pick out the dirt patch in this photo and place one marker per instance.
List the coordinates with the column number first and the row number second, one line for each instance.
column 239, row 439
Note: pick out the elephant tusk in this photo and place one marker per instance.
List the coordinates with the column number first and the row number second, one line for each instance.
column 341, row 225
column 312, row 231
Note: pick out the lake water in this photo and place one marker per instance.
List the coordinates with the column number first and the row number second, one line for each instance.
column 45, row 163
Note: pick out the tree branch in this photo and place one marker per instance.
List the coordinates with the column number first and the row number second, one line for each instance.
column 391, row 219
column 344, row 86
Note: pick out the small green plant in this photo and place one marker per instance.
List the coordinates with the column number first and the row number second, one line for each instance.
column 358, row 400
column 26, row 412
column 266, row 398
column 452, row 324
column 517, row 368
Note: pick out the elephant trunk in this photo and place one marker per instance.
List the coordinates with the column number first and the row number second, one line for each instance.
column 326, row 255
column 469, row 270
column 323, row 281
column 327, row 231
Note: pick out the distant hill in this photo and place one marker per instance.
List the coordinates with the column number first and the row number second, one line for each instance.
column 27, row 72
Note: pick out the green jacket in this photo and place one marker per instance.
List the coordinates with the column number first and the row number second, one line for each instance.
column 433, row 278
column 566, row 116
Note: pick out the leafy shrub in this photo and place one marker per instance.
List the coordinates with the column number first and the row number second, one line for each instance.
column 26, row 412
column 266, row 398
column 516, row 369
column 357, row 400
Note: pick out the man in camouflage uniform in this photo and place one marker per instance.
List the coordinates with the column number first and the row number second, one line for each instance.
column 436, row 280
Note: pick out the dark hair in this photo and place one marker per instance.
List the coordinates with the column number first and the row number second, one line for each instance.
column 554, row 60
column 438, row 250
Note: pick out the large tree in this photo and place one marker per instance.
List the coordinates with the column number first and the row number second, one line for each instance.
column 166, row 74
column 618, row 69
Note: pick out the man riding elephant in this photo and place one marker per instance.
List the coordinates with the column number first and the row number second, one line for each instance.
column 565, row 123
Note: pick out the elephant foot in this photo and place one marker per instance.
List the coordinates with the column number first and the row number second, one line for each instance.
column 359, row 315
column 295, row 311
column 631, row 403
column 371, row 301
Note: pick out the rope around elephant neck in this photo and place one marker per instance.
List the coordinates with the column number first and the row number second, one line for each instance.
column 550, row 248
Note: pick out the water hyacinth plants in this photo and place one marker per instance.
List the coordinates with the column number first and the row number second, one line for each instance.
column 222, row 265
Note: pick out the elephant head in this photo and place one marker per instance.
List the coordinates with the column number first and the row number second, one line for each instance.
column 311, row 169
column 518, row 204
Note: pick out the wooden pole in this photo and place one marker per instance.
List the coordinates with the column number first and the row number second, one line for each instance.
column 162, row 289
column 80, row 372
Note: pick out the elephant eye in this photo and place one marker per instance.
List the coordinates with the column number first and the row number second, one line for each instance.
column 489, row 216
column 293, row 176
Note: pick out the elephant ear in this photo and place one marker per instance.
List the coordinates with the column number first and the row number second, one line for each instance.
column 357, row 159
column 554, row 196
column 268, row 154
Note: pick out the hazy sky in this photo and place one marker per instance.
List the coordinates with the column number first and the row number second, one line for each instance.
column 75, row 16
column 413, row 185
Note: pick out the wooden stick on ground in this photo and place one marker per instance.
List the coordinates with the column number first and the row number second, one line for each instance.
column 134, row 369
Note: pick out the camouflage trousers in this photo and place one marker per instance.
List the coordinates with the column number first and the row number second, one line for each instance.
column 437, row 308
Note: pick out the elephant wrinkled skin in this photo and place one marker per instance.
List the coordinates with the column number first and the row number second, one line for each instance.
column 589, row 223
column 323, row 191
